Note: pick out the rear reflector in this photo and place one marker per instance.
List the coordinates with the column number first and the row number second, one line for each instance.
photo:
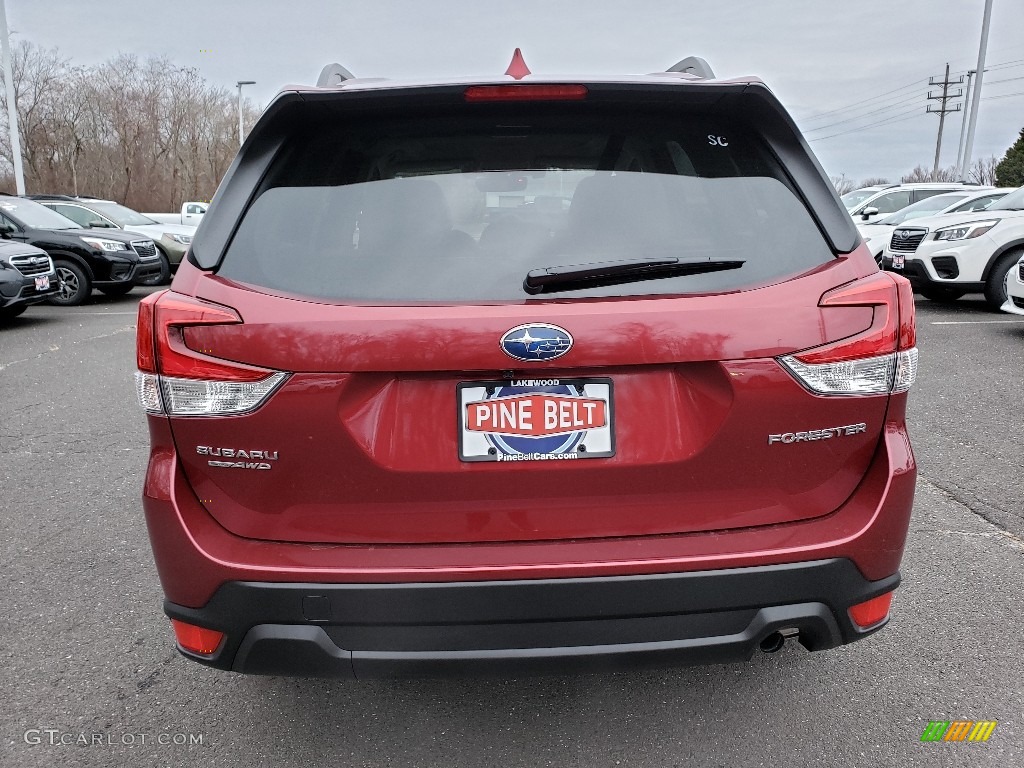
column 871, row 612
column 529, row 92
column 196, row 639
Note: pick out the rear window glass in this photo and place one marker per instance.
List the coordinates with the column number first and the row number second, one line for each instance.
column 460, row 208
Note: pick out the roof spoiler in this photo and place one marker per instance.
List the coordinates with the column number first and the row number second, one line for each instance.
column 693, row 65
column 333, row 74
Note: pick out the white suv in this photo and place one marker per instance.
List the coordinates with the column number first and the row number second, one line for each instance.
column 894, row 197
column 878, row 233
column 947, row 256
column 1015, row 289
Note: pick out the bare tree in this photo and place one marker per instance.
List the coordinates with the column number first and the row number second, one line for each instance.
column 141, row 131
column 983, row 171
column 842, row 184
column 920, row 174
column 873, row 181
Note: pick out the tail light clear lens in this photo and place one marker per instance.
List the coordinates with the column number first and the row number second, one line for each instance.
column 147, row 387
column 870, row 376
column 179, row 381
column 881, row 360
column 906, row 370
column 198, row 397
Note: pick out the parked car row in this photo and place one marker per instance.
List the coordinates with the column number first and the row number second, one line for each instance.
column 878, row 233
column 58, row 248
column 171, row 240
column 870, row 203
column 946, row 257
column 953, row 242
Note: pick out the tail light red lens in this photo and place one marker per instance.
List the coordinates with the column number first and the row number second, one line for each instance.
column 881, row 360
column 180, row 381
column 196, row 639
column 145, row 351
column 871, row 612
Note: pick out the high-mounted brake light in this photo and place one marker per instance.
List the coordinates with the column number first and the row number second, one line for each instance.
column 881, row 360
column 180, row 381
column 528, row 92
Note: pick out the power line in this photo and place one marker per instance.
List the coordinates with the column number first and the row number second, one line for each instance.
column 1002, row 96
column 1005, row 80
column 915, row 112
column 916, row 84
column 859, row 117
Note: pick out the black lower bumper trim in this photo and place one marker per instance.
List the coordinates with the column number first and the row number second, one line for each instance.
column 545, row 625
column 915, row 271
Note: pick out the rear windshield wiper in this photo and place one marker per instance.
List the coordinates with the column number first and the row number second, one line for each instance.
column 576, row 276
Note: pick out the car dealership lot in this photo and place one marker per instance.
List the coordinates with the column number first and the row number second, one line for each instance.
column 88, row 655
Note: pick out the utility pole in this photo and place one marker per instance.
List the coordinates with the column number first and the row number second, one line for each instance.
column 942, row 110
column 12, row 108
column 963, row 128
column 241, row 124
column 976, row 96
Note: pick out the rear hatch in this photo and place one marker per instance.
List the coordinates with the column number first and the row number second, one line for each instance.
column 519, row 321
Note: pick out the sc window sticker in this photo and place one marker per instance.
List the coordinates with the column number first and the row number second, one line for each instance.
column 715, row 140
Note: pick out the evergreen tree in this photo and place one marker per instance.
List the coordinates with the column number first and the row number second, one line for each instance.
column 1010, row 171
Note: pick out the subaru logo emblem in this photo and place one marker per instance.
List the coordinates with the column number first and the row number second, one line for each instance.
column 902, row 234
column 535, row 342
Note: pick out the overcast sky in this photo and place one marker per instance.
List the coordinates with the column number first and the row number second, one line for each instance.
column 864, row 63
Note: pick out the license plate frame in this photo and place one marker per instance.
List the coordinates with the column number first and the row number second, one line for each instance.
column 42, row 283
column 495, row 416
column 898, row 261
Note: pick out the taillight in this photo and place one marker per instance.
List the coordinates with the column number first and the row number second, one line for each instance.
column 179, row 381
column 881, row 360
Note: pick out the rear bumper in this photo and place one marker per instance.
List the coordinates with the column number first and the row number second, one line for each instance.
column 528, row 626
column 195, row 555
column 299, row 609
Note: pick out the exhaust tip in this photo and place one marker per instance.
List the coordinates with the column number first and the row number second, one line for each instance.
column 773, row 642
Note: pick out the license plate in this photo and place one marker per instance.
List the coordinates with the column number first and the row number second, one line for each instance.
column 43, row 283
column 897, row 260
column 536, row 420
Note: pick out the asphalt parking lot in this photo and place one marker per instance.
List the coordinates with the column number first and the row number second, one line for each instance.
column 90, row 676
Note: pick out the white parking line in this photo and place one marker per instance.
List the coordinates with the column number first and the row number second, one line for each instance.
column 975, row 322
column 106, row 313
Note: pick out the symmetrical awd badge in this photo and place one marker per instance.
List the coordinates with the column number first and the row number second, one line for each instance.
column 535, row 342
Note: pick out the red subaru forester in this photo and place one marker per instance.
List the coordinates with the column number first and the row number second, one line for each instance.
column 525, row 373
